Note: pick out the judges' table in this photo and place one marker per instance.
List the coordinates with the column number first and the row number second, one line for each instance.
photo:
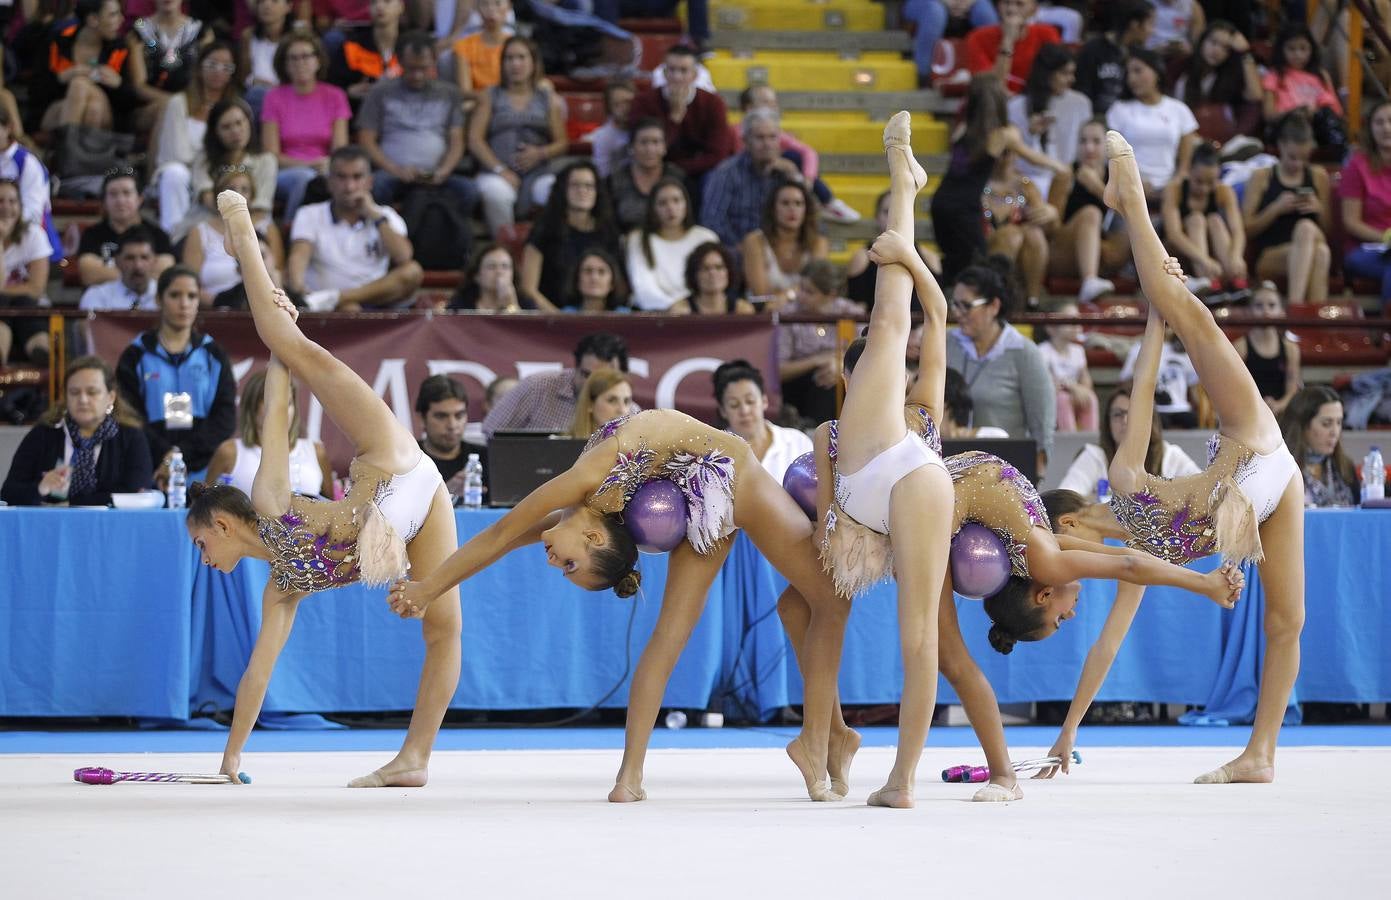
column 107, row 613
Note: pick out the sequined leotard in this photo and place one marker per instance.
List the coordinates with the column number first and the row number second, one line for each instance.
column 663, row 443
column 993, row 493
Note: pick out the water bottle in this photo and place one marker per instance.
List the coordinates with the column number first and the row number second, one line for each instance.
column 178, row 480
column 676, row 719
column 473, row 482
column 1373, row 476
column 1103, row 491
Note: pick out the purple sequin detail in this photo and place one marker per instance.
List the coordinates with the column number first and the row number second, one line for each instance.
column 606, row 431
column 1179, row 538
column 961, row 463
column 930, row 435
column 629, row 472
column 303, row 560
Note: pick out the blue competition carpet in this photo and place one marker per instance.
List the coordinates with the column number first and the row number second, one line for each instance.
column 30, row 742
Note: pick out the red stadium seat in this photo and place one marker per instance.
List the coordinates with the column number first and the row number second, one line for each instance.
column 584, row 113
column 653, row 25
column 1337, row 346
column 654, row 49
column 513, row 237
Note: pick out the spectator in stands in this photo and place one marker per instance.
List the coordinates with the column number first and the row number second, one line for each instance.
column 1313, row 428
column 1049, row 113
column 442, row 404
column 168, row 43
column 609, row 142
column 412, row 128
column 1017, row 224
column 368, row 53
column 1177, row 26
column 204, row 251
column 1203, row 226
column 1297, row 80
column 712, row 284
column 736, row 192
column 86, row 447
column 497, row 389
column 546, row 401
column 607, row 394
column 697, row 15
column 789, row 238
column 9, row 107
column 517, row 129
column 1222, row 74
column 1368, row 397
column 1008, row 49
column 657, row 252
column 335, row 18
column 239, row 456
column 938, row 19
column 256, row 56
column 23, row 166
column 743, row 409
column 229, row 143
column 596, row 285
column 979, row 145
column 180, row 380
column 120, row 206
column 801, row 155
column 26, row 252
column 303, row 120
column 1270, row 356
column 1061, row 346
column 478, row 57
column 134, row 288
column 1093, row 463
column 809, row 362
column 696, row 121
column 1365, row 194
column 960, row 409
column 183, row 127
column 1004, row 371
column 578, row 216
column 632, row 183
column 349, row 252
column 99, row 91
column 489, row 283
column 1162, row 130
column 1286, row 214
column 1101, row 61
column 861, row 272
column 1176, row 380
column 1082, row 246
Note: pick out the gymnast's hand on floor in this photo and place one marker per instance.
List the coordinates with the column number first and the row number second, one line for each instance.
column 1062, row 748
column 1224, row 585
column 231, row 767
column 408, row 599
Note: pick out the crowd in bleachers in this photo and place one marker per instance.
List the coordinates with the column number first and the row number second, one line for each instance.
column 577, row 159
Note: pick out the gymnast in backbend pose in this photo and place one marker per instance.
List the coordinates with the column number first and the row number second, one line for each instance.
column 1247, row 505
column 396, row 514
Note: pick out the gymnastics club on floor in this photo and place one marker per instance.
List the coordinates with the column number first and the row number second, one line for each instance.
column 99, row 775
column 977, row 774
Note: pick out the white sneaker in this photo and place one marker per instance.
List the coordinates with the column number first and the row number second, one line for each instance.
column 322, row 301
column 1095, row 287
column 840, row 211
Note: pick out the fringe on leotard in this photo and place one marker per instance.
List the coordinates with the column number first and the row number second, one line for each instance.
column 382, row 555
column 1234, row 521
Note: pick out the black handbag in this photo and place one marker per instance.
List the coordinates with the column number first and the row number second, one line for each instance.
column 80, row 151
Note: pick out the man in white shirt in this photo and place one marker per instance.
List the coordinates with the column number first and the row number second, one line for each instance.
column 135, row 289
column 349, row 252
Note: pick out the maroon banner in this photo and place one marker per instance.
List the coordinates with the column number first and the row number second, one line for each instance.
column 670, row 357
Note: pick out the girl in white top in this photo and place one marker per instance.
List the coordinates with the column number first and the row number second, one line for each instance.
column 775, row 255
column 1162, row 130
column 743, row 406
column 25, row 249
column 1177, row 25
column 1067, row 363
column 205, row 253
column 1092, row 464
column 181, row 129
column 1049, row 113
column 240, row 456
column 657, row 252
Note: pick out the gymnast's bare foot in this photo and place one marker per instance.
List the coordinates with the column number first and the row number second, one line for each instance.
column 1123, row 184
column 844, row 745
column 1001, row 789
column 898, row 133
column 396, row 773
column 1242, row 770
column 238, row 228
column 623, row 793
column 892, row 797
column 818, row 788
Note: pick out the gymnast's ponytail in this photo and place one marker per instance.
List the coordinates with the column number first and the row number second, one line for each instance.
column 616, row 561
column 205, row 500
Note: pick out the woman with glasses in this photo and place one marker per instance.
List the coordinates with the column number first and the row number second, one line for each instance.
column 229, row 143
column 1089, row 466
column 577, row 218
column 303, row 120
column 182, row 129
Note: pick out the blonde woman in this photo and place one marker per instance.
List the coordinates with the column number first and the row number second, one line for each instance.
column 607, row 395
column 239, row 456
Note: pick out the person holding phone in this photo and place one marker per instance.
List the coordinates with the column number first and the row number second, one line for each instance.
column 1287, row 214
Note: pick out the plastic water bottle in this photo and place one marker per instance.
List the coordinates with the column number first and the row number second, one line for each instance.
column 1373, row 476
column 178, row 480
column 1103, row 491
column 676, row 719
column 473, row 482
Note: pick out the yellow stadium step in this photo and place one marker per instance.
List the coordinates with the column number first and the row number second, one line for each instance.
column 851, row 133
column 815, row 72
column 860, row 191
column 797, row 15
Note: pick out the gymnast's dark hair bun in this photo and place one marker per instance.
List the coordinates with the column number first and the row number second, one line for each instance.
column 196, row 490
column 1001, row 641
column 628, row 585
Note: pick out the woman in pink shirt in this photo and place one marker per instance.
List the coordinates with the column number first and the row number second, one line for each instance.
column 303, row 120
column 1365, row 195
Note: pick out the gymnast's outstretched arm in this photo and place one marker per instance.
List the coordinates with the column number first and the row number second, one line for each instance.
column 277, row 618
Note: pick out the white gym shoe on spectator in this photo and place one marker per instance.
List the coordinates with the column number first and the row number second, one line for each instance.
column 840, row 211
column 322, row 301
column 1095, row 287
